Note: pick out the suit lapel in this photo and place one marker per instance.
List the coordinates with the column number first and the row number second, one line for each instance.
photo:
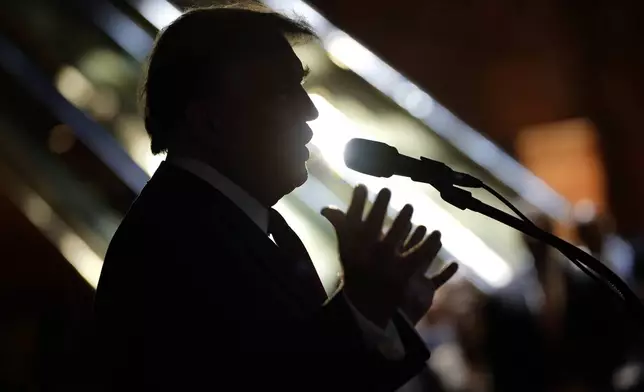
column 251, row 239
column 279, row 265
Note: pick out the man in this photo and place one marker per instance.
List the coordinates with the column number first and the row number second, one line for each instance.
column 194, row 294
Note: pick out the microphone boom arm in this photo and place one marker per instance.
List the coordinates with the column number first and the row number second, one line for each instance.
column 381, row 160
column 464, row 200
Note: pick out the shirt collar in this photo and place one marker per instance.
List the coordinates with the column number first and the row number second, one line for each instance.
column 248, row 204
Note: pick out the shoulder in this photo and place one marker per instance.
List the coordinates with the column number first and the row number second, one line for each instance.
column 175, row 202
column 176, row 216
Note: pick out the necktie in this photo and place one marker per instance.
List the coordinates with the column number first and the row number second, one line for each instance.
column 295, row 252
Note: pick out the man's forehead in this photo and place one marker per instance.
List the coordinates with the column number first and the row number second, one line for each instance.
column 276, row 48
column 274, row 56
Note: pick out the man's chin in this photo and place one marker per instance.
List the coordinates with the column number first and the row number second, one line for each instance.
column 289, row 180
column 300, row 178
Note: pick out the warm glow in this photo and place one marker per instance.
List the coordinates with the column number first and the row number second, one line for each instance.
column 565, row 154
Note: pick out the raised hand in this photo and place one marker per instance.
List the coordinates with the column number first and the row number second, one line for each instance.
column 377, row 266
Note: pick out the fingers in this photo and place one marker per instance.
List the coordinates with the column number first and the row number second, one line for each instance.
column 376, row 218
column 429, row 247
column 415, row 238
column 422, row 256
column 401, row 226
column 446, row 274
column 358, row 200
column 400, row 246
column 336, row 217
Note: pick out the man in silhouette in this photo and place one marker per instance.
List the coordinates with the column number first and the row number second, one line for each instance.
column 194, row 294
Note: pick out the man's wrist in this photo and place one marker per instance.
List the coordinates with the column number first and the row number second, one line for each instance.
column 413, row 309
column 369, row 308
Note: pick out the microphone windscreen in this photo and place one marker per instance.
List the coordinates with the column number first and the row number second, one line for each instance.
column 370, row 157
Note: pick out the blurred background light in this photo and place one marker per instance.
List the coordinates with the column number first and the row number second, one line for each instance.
column 584, row 211
column 322, row 252
column 37, row 211
column 106, row 67
column 61, row 139
column 74, row 86
column 104, row 104
column 331, row 132
column 130, row 129
column 158, row 12
column 81, row 256
column 349, row 54
column 77, row 252
column 123, row 30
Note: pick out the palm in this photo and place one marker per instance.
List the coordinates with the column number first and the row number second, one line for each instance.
column 377, row 266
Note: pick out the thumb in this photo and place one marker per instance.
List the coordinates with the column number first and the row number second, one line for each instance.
column 335, row 216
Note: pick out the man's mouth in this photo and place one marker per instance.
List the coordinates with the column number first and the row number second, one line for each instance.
column 305, row 153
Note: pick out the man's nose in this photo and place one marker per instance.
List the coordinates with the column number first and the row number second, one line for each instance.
column 311, row 111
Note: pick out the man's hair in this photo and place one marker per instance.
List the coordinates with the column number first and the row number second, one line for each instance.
column 197, row 45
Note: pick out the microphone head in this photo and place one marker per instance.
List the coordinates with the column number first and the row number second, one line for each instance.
column 370, row 157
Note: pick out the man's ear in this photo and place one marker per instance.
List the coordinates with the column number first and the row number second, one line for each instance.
column 198, row 115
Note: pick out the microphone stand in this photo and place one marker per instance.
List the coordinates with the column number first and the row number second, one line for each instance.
column 463, row 200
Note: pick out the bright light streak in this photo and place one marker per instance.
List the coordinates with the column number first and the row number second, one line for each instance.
column 158, row 12
column 71, row 246
column 121, row 29
column 37, row 211
column 303, row 10
column 379, row 74
column 349, row 52
column 80, row 256
column 332, row 130
column 418, row 103
column 584, row 211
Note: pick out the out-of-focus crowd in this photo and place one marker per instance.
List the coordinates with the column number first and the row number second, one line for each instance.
column 551, row 329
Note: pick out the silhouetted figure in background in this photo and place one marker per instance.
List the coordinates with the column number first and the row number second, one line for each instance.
column 559, row 331
column 630, row 377
column 194, row 295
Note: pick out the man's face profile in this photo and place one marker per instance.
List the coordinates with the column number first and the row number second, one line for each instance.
column 259, row 116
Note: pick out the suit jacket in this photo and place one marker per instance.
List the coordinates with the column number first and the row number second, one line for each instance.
column 193, row 295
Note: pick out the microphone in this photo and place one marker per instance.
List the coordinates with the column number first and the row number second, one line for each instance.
column 382, row 160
